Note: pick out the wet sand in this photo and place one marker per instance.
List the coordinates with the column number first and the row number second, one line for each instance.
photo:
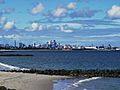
column 25, row 81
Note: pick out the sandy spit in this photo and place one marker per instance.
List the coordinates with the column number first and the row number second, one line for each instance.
column 25, row 81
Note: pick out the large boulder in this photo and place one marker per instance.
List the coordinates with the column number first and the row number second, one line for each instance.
column 4, row 88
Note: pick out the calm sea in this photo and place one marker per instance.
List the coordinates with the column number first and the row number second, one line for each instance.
column 70, row 60
column 64, row 59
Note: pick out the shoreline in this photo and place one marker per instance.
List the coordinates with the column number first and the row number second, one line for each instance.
column 114, row 73
column 27, row 81
column 34, row 81
column 44, row 79
column 10, row 50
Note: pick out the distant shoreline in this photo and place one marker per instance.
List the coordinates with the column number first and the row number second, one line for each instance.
column 3, row 50
column 16, row 55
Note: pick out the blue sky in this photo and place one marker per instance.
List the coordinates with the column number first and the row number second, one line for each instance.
column 82, row 22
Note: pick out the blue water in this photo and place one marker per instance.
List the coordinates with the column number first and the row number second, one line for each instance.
column 99, row 84
column 64, row 59
column 70, row 60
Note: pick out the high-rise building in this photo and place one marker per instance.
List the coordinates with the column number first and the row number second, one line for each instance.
column 21, row 45
column 15, row 44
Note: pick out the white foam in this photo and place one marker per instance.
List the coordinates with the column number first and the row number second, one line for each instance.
column 76, row 84
column 10, row 67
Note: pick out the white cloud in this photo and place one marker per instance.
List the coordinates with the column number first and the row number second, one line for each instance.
column 107, row 35
column 9, row 36
column 12, row 36
column 34, row 26
column 58, row 12
column 49, row 36
column 40, row 27
column 76, row 36
column 3, row 20
column 100, row 36
column 37, row 9
column 114, row 12
column 73, row 25
column 71, row 5
column 19, row 37
column 116, row 21
column 66, row 30
column 61, row 11
column 95, row 40
column 1, row 36
column 64, row 27
column 9, row 25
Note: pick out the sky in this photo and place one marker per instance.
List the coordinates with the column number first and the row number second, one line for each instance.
column 77, row 22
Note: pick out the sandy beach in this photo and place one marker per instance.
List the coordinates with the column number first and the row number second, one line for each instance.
column 25, row 81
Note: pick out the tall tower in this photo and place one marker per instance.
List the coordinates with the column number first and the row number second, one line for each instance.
column 15, row 43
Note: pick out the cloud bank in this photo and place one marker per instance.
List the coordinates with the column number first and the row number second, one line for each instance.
column 37, row 9
column 114, row 12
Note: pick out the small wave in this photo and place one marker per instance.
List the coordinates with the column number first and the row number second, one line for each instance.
column 76, row 84
column 10, row 67
column 85, row 80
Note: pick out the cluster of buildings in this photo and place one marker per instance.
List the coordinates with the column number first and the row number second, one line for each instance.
column 53, row 45
column 48, row 45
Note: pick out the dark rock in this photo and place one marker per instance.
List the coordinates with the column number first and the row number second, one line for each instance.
column 4, row 88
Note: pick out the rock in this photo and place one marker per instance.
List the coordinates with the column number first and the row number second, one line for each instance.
column 4, row 88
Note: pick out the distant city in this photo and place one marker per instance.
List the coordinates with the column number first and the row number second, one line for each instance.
column 54, row 45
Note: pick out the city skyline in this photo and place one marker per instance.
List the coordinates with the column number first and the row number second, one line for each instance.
column 80, row 22
column 55, row 45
